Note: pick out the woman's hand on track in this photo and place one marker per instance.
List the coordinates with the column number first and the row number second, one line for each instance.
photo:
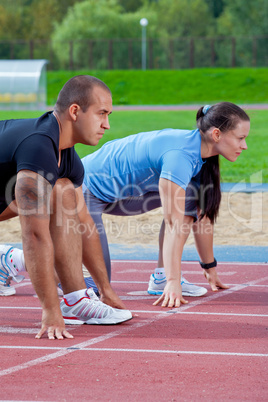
column 214, row 281
column 171, row 296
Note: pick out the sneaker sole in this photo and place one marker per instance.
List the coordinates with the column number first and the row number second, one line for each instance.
column 94, row 321
column 155, row 292
column 196, row 294
column 9, row 293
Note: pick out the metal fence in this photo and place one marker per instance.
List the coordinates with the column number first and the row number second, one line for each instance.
column 176, row 53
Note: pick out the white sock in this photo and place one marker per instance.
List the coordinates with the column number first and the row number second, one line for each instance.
column 15, row 257
column 74, row 297
column 159, row 273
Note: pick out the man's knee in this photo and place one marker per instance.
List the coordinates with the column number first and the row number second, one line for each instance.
column 63, row 199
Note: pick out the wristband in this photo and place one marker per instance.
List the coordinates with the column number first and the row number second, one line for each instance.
column 210, row 265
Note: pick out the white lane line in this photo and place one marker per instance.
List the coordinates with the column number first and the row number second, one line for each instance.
column 154, row 312
column 200, row 313
column 187, row 352
column 121, row 331
column 12, row 330
column 150, row 271
column 26, row 282
column 196, row 283
column 20, row 308
column 190, row 262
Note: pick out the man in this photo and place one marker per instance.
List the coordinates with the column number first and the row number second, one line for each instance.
column 41, row 178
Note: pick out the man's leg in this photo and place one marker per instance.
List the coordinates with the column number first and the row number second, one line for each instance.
column 66, row 236
column 79, row 304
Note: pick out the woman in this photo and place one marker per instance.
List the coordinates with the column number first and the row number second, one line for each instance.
column 138, row 173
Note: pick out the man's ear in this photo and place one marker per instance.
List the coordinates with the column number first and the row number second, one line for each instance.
column 74, row 110
column 216, row 133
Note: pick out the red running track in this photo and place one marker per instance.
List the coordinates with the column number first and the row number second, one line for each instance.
column 215, row 348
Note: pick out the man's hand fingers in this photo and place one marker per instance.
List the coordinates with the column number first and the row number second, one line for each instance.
column 66, row 334
column 40, row 333
column 54, row 333
column 113, row 302
column 57, row 334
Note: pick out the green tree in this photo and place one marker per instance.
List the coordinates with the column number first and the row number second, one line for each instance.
column 130, row 5
column 216, row 7
column 178, row 18
column 244, row 18
column 12, row 19
column 31, row 19
column 104, row 19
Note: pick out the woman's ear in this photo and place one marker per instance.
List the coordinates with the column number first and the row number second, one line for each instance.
column 216, row 133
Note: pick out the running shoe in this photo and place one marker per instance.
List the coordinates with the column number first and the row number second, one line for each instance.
column 89, row 284
column 156, row 287
column 90, row 310
column 5, row 288
column 5, row 252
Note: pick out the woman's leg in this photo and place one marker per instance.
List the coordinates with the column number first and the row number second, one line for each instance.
column 96, row 208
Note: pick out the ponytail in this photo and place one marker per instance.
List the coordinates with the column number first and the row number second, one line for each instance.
column 210, row 189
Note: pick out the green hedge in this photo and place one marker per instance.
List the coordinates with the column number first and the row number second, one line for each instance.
column 172, row 87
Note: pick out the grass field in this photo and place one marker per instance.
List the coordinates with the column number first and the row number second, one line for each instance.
column 252, row 161
column 172, row 87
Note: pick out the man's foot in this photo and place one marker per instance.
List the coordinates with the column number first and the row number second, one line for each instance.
column 156, row 287
column 6, row 264
column 89, row 284
column 90, row 310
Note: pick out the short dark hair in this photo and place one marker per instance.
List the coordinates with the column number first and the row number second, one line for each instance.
column 78, row 90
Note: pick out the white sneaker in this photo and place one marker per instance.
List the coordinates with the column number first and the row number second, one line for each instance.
column 90, row 310
column 156, row 287
column 7, row 290
column 6, row 267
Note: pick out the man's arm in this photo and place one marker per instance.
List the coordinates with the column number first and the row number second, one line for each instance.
column 93, row 256
column 173, row 203
column 32, row 194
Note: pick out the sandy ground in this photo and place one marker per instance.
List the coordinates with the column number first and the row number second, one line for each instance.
column 243, row 220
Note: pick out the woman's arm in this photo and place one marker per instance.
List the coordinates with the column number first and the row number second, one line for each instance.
column 173, row 203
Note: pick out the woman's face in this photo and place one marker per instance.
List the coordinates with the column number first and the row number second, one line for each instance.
column 231, row 143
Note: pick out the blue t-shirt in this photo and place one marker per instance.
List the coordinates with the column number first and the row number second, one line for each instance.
column 132, row 166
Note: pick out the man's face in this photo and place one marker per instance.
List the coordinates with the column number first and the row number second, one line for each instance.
column 91, row 125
